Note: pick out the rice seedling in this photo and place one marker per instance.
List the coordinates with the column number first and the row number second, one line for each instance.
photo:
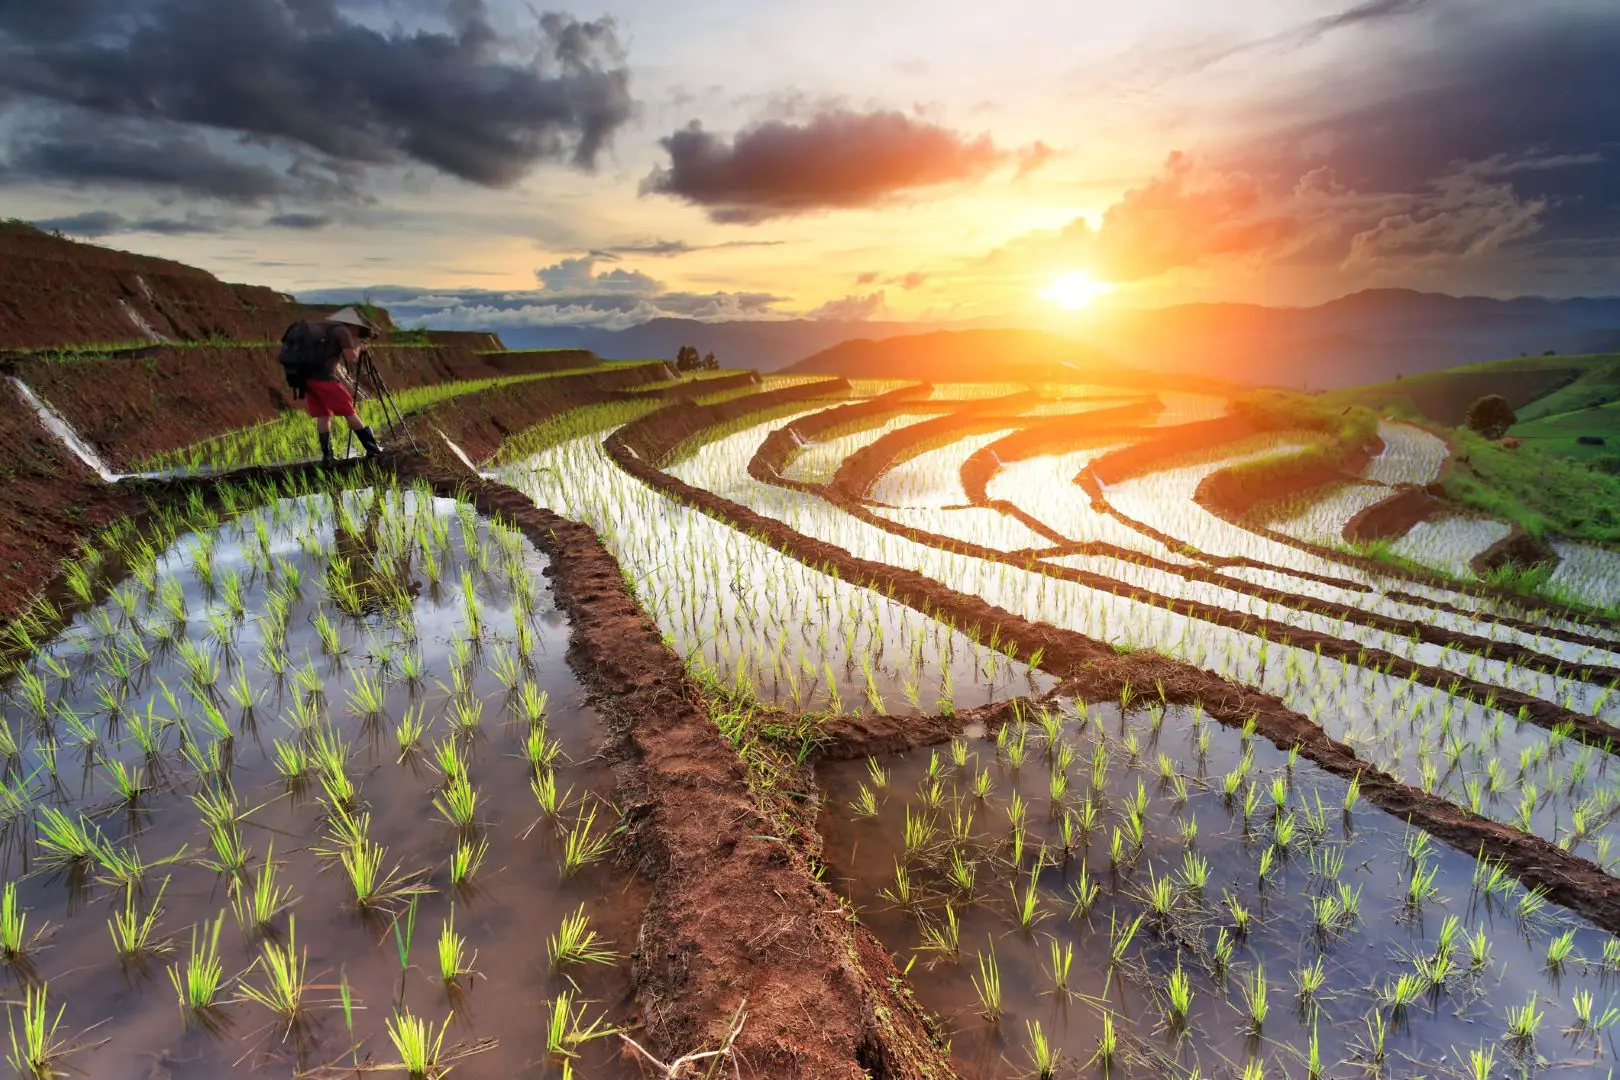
column 944, row 936
column 65, row 841
column 1255, row 990
column 1107, row 1042
column 1178, row 995
column 457, row 803
column 987, row 984
column 548, row 794
column 418, row 1045
column 15, row 943
column 465, row 861
column 1043, row 1056
column 283, row 971
column 198, row 979
column 35, row 1049
column 454, row 961
column 134, row 934
column 575, row 942
column 581, row 847
column 567, row 1028
column 1524, row 1021
column 257, row 905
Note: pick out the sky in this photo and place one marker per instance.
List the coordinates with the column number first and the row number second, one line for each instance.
column 490, row 164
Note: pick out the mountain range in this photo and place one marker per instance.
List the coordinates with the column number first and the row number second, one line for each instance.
column 1364, row 337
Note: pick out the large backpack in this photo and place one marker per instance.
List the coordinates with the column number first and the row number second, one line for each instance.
column 306, row 348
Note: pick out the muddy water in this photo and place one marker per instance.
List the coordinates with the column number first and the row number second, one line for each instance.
column 128, row 1014
column 1367, row 852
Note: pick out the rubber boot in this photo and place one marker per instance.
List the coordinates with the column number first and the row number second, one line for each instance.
column 369, row 441
column 326, row 449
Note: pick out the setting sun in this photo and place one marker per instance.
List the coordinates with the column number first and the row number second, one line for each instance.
column 1076, row 290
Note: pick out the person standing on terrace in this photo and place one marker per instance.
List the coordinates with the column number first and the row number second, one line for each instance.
column 320, row 359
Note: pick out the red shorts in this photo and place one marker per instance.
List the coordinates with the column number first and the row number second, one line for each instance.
column 324, row 398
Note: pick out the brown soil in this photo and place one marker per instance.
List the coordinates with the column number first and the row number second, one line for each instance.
column 1237, row 497
column 50, row 503
column 1151, row 454
column 1055, row 437
column 56, row 292
column 1517, row 548
column 1097, row 673
column 1392, row 517
column 858, row 735
column 471, row 340
column 736, row 916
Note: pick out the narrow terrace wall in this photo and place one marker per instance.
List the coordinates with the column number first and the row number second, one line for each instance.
column 478, row 423
column 861, row 469
column 535, row 361
column 778, row 447
column 1055, row 436
column 653, row 440
column 178, row 395
column 1146, row 455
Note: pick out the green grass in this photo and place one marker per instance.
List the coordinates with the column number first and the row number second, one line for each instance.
column 291, row 436
column 1558, row 433
column 1543, row 493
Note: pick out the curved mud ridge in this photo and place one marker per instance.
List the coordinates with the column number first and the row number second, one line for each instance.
column 1094, row 672
column 736, row 914
column 1056, row 436
column 858, row 472
column 762, row 467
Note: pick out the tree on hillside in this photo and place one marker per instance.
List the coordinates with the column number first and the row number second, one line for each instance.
column 687, row 358
column 1491, row 416
column 710, row 363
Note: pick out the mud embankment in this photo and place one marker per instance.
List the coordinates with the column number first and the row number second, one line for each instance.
column 681, row 422
column 1095, row 672
column 784, row 442
column 860, row 471
column 470, row 340
column 479, row 422
column 736, row 914
column 1056, row 436
column 539, row 361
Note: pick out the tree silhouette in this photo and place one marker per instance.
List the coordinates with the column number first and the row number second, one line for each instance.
column 710, row 363
column 687, row 358
column 1491, row 416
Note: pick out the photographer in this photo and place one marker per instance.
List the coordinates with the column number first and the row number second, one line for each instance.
column 320, row 358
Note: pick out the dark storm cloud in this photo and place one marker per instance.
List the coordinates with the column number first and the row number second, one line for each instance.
column 97, row 223
column 125, row 158
column 464, row 101
column 302, row 222
column 1534, row 106
column 836, row 159
column 664, row 249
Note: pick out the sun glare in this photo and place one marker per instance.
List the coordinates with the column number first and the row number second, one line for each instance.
column 1076, row 290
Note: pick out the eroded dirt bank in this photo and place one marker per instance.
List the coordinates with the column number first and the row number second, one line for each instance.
column 858, row 472
column 1095, row 672
column 736, row 914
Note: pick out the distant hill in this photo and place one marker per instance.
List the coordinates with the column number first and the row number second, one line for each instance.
column 969, row 356
column 1365, row 337
column 762, row 344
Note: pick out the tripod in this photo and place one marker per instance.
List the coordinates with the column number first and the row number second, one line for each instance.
column 368, row 380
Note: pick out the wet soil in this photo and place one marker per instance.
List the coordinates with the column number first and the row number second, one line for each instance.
column 860, row 470
column 1391, row 517
column 1095, row 672
column 737, row 916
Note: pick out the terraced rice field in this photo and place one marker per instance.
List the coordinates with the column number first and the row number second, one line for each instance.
column 808, row 729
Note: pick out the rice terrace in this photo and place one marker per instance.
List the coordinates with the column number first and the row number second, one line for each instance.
column 838, row 541
column 655, row 723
